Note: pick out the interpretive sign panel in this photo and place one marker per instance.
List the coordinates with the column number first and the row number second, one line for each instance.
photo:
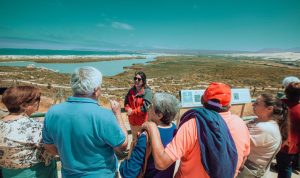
column 192, row 98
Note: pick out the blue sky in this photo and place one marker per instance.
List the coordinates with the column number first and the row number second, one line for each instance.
column 145, row 24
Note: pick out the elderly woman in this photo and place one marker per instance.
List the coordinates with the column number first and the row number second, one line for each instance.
column 291, row 142
column 162, row 112
column 264, row 135
column 137, row 102
column 20, row 148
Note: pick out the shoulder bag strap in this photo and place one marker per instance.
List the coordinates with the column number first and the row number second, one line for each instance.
column 273, row 156
column 147, row 154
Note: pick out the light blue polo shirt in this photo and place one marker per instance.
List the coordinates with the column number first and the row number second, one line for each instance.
column 85, row 135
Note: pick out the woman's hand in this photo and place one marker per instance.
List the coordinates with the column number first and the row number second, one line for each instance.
column 148, row 126
column 161, row 159
column 129, row 111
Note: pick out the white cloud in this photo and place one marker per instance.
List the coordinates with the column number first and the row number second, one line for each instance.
column 122, row 26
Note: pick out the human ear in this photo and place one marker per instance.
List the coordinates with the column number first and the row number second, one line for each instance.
column 160, row 115
column 97, row 92
column 270, row 109
column 29, row 109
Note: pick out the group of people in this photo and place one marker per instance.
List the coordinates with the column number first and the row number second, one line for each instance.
column 208, row 141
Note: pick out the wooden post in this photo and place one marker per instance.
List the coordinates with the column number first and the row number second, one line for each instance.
column 242, row 111
column 254, row 90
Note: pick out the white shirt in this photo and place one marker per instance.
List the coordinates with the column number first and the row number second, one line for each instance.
column 265, row 139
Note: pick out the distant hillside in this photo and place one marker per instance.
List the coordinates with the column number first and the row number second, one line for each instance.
column 13, row 51
column 82, row 51
column 79, row 51
column 192, row 51
column 277, row 50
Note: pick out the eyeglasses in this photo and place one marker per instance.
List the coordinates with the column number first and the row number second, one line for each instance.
column 136, row 78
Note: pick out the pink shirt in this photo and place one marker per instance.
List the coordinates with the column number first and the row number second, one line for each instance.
column 185, row 146
column 240, row 135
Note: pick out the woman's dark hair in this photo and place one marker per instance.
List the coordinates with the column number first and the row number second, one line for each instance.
column 280, row 112
column 18, row 97
column 292, row 92
column 270, row 100
column 143, row 75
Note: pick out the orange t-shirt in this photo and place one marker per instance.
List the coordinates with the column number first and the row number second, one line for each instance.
column 240, row 134
column 185, row 146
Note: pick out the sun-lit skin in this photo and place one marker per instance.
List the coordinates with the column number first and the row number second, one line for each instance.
column 138, row 83
column 155, row 117
column 32, row 108
column 263, row 112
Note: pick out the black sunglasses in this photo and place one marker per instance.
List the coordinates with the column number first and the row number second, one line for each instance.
column 136, row 78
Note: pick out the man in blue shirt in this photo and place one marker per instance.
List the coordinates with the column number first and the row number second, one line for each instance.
column 83, row 133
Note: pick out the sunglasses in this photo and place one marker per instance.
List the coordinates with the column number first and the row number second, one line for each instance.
column 136, row 78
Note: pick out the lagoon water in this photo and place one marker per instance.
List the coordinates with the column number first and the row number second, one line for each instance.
column 108, row 68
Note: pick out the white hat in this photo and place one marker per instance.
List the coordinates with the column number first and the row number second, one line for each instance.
column 287, row 80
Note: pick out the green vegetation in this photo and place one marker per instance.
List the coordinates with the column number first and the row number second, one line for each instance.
column 170, row 74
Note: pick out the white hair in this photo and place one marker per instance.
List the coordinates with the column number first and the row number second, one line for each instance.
column 85, row 80
column 287, row 80
column 167, row 105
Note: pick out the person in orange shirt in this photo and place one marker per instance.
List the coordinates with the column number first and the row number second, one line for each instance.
column 217, row 97
column 195, row 155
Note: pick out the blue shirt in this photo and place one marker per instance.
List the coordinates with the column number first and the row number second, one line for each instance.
column 85, row 135
column 131, row 168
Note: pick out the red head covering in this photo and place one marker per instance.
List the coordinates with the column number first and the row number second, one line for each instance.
column 219, row 91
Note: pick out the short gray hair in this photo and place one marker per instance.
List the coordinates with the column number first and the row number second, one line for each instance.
column 85, row 79
column 167, row 105
column 287, row 80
